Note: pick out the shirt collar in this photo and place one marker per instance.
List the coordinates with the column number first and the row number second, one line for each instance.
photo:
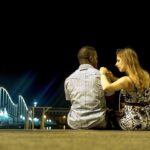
column 85, row 66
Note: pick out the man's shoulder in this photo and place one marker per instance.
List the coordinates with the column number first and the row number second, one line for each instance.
column 89, row 71
column 94, row 71
column 72, row 75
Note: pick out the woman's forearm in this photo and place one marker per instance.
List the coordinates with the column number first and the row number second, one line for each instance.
column 104, row 81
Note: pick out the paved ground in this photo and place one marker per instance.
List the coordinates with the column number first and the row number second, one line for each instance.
column 74, row 140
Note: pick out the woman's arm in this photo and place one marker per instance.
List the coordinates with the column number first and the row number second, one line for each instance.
column 120, row 83
column 111, row 76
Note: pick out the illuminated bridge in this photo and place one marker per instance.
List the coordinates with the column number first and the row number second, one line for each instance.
column 18, row 115
column 11, row 114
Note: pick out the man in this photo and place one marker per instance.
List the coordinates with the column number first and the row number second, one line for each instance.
column 83, row 88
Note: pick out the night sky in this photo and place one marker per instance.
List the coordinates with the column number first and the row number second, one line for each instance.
column 39, row 51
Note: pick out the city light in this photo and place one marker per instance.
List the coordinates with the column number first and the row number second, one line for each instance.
column 35, row 104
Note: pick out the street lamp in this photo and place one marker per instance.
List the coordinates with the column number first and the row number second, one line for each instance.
column 35, row 104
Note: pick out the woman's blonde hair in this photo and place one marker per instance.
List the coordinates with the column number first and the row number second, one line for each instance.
column 139, row 76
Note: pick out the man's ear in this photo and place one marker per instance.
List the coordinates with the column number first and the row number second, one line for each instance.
column 90, row 59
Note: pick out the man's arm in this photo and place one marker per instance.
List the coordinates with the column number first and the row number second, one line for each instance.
column 67, row 94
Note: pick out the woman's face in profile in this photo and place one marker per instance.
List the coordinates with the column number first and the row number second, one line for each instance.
column 120, row 64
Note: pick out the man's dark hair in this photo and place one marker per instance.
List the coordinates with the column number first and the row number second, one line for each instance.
column 85, row 52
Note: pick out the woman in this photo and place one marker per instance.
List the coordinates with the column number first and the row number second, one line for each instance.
column 134, row 89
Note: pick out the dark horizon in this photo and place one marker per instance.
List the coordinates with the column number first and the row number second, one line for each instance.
column 39, row 73
column 39, row 51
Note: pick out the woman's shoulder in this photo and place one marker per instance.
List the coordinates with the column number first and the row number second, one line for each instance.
column 128, row 83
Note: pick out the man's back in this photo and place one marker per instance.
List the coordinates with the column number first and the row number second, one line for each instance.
column 83, row 89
